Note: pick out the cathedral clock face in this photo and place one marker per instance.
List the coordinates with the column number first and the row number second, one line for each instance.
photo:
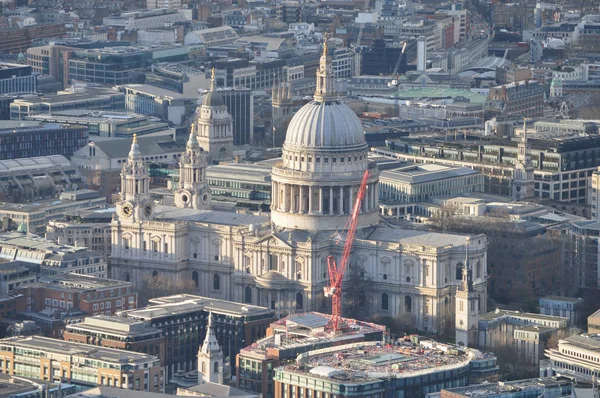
column 126, row 209
column 204, row 197
column 148, row 209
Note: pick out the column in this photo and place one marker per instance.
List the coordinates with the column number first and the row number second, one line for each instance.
column 320, row 200
column 330, row 200
column 350, row 198
column 274, row 196
column 310, row 198
column 286, row 191
column 342, row 200
column 301, row 199
column 376, row 201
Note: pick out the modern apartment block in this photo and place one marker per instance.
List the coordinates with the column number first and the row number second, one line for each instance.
column 80, row 364
column 42, row 140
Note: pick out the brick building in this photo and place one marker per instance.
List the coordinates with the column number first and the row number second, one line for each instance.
column 88, row 294
column 15, row 40
column 515, row 101
column 117, row 332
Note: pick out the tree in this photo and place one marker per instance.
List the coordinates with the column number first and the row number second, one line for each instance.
column 161, row 285
column 356, row 291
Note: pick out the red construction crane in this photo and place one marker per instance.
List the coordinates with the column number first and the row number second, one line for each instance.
column 336, row 272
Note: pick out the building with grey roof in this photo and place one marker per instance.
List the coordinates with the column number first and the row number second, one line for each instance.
column 42, row 177
column 81, row 364
column 576, row 356
column 420, row 182
column 541, row 387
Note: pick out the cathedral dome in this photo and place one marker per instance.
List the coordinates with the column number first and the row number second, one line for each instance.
column 327, row 125
column 212, row 98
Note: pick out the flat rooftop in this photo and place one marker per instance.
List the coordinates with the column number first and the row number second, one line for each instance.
column 308, row 330
column 115, row 326
column 503, row 388
column 366, row 361
column 185, row 303
column 519, row 314
column 588, row 341
column 61, row 347
column 427, row 172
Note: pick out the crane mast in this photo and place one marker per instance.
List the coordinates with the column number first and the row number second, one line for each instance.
column 336, row 271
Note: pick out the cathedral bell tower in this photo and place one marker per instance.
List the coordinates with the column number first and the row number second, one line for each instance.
column 210, row 357
column 523, row 182
column 281, row 110
column 467, row 307
column 213, row 125
column 193, row 189
column 135, row 204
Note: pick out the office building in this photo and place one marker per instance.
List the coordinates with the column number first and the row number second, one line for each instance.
column 49, row 258
column 118, row 332
column 562, row 165
column 240, row 104
column 213, row 37
column 541, row 387
column 85, row 293
column 290, row 337
column 104, row 123
column 87, row 227
column 566, row 307
column 576, row 356
column 184, row 319
column 33, row 216
column 80, row 364
column 37, row 178
column 89, row 98
column 17, row 79
column 152, row 18
column 15, row 40
column 420, row 182
column 595, row 194
column 154, row 101
column 118, row 65
column 249, row 185
column 14, row 274
column 368, row 368
column 30, row 388
column 526, row 332
column 26, row 140
column 515, row 101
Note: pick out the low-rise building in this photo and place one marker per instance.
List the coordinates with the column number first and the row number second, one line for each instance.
column 576, row 356
column 593, row 322
column 184, row 318
column 290, row 337
column 370, row 369
column 33, row 216
column 147, row 19
column 515, row 101
column 80, row 364
column 118, row 332
column 49, row 258
column 33, row 388
column 526, row 333
column 212, row 37
column 104, row 123
column 14, row 274
column 88, row 294
column 98, row 98
column 32, row 139
column 89, row 228
column 541, row 387
column 43, row 177
column 420, row 182
column 566, row 307
column 17, row 79
column 155, row 101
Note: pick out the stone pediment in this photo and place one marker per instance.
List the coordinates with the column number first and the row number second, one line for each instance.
column 272, row 240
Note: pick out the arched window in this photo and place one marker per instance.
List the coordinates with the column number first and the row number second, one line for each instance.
column 203, row 367
column 384, row 301
column 196, row 279
column 362, row 299
column 216, row 367
column 478, row 270
column 408, row 304
column 154, row 274
column 248, row 295
column 127, row 277
column 299, row 301
column 459, row 270
column 216, row 282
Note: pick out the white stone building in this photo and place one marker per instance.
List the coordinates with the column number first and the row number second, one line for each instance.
column 281, row 262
